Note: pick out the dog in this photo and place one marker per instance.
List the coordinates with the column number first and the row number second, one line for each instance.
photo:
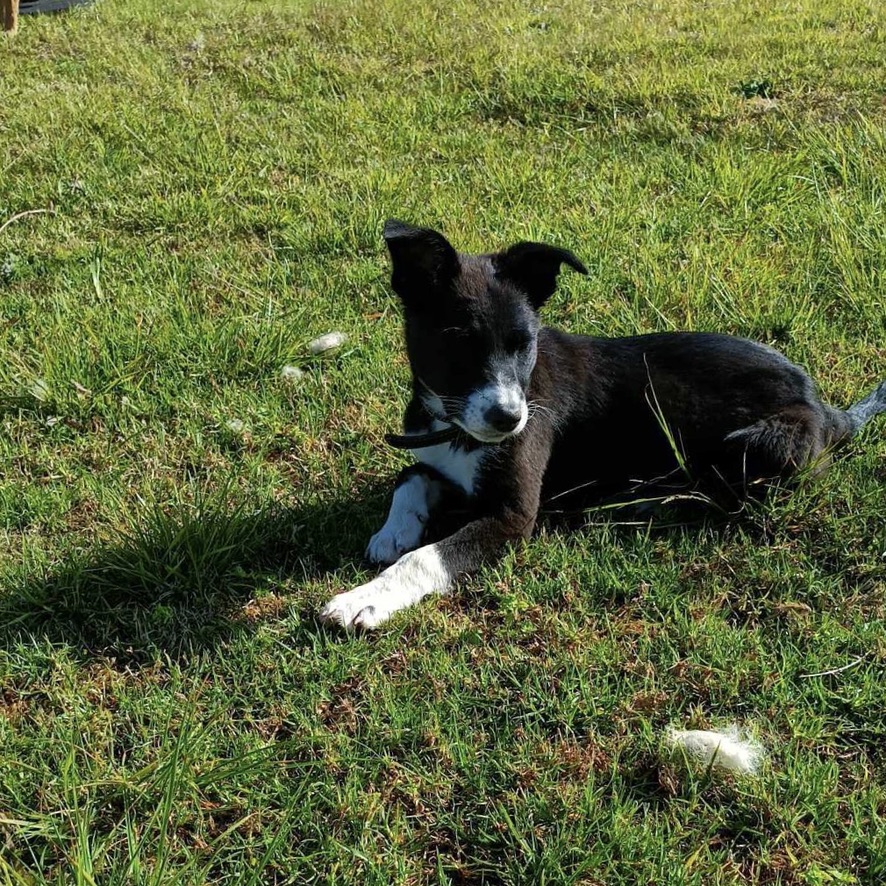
column 507, row 414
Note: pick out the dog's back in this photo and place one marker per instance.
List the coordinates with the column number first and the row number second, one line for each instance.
column 676, row 406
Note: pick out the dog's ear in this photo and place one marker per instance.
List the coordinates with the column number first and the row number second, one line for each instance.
column 533, row 267
column 422, row 259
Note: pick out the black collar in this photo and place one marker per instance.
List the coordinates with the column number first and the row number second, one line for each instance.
column 420, row 441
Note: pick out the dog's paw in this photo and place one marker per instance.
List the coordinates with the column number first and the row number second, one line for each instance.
column 389, row 544
column 364, row 608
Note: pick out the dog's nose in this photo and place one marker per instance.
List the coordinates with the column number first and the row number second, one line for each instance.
column 504, row 420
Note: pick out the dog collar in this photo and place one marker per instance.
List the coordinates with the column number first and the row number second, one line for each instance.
column 420, row 441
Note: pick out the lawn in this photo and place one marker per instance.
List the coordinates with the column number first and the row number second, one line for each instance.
column 212, row 177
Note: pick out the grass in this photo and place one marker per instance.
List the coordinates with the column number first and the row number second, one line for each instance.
column 173, row 512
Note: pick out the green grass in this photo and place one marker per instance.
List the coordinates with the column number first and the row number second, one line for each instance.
column 218, row 172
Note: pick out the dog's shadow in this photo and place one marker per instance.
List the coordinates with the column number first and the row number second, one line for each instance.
column 189, row 581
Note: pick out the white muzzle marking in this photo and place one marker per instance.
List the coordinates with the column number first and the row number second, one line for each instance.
column 508, row 397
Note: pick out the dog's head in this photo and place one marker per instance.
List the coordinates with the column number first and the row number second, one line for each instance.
column 472, row 325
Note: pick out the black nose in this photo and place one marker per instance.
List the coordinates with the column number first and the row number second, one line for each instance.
column 503, row 420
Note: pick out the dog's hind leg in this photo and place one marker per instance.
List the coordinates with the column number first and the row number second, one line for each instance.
column 417, row 493
column 778, row 447
column 800, row 437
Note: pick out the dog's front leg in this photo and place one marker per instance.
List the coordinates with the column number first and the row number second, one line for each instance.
column 508, row 502
column 432, row 569
column 415, row 497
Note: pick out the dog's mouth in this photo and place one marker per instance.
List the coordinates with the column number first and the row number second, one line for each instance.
column 447, row 435
column 486, row 436
column 485, row 430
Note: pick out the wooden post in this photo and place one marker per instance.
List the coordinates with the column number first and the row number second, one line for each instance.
column 10, row 15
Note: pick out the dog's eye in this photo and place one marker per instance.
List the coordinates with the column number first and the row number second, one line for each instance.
column 518, row 340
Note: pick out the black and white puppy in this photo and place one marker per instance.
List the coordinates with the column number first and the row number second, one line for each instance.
column 535, row 413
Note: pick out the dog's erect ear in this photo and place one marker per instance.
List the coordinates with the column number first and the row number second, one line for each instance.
column 533, row 267
column 422, row 258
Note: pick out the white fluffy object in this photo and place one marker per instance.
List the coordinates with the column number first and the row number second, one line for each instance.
column 722, row 750
column 291, row 374
column 327, row 342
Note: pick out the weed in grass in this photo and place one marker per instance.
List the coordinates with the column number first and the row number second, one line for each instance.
column 756, row 88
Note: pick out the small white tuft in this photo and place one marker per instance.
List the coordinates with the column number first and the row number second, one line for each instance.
column 723, row 750
column 291, row 374
column 235, row 426
column 327, row 342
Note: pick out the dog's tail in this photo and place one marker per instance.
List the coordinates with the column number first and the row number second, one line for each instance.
column 862, row 412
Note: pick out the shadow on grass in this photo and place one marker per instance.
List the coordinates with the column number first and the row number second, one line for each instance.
column 177, row 583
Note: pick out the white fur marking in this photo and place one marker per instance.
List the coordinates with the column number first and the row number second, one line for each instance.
column 434, row 405
column 456, row 465
column 413, row 576
column 502, row 394
column 402, row 532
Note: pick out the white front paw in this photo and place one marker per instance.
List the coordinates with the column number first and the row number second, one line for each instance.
column 363, row 608
column 389, row 545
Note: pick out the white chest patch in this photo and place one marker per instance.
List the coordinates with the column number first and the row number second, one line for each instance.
column 456, row 465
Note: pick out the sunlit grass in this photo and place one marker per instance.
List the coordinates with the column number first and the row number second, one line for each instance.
column 173, row 509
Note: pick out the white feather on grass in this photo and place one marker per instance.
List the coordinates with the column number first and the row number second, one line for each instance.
column 727, row 750
column 291, row 374
column 327, row 342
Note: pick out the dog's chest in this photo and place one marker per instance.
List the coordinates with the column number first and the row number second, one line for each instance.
column 459, row 466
